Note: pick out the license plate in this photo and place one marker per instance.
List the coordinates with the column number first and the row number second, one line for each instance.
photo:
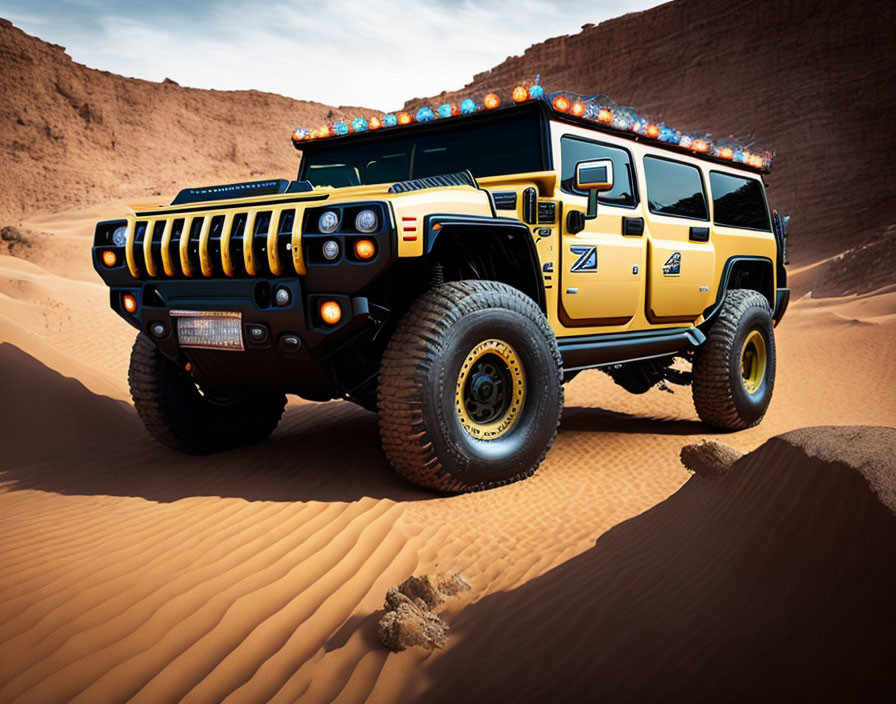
column 209, row 329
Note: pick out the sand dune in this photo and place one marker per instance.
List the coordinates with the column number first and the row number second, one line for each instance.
column 775, row 582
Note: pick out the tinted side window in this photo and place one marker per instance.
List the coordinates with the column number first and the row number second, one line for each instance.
column 575, row 150
column 675, row 189
column 738, row 202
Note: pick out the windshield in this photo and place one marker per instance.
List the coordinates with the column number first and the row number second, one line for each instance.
column 490, row 148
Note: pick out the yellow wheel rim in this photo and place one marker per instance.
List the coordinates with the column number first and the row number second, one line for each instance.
column 753, row 361
column 490, row 390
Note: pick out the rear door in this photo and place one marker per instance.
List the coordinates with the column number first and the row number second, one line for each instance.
column 681, row 255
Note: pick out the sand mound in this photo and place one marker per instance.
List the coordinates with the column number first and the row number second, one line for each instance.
column 776, row 580
column 709, row 458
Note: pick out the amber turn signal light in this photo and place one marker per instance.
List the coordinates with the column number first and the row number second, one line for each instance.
column 330, row 312
column 365, row 249
column 109, row 258
column 129, row 303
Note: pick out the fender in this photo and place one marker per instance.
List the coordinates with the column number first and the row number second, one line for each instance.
column 710, row 313
column 440, row 226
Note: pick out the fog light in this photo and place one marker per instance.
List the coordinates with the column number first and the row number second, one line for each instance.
column 365, row 249
column 331, row 249
column 129, row 303
column 290, row 343
column 159, row 330
column 330, row 312
column 109, row 258
column 281, row 296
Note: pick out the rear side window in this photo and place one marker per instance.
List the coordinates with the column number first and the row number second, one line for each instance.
column 675, row 189
column 738, row 202
column 575, row 150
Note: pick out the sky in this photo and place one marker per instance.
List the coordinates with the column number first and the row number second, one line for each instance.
column 339, row 52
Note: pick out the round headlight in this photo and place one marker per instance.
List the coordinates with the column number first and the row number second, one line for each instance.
column 366, row 221
column 331, row 249
column 329, row 221
column 120, row 236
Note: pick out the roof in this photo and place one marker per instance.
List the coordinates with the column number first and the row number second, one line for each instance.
column 594, row 111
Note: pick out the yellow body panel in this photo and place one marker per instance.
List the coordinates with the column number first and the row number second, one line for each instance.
column 627, row 289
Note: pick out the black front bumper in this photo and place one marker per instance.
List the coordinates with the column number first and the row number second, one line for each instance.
column 272, row 363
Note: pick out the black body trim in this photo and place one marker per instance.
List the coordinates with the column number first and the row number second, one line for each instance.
column 782, row 300
column 590, row 351
column 710, row 313
column 229, row 206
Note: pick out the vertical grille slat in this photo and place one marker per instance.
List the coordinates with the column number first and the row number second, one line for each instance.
column 205, row 261
column 248, row 243
column 173, row 265
column 164, row 248
column 260, row 236
column 148, row 262
column 226, row 262
column 283, row 240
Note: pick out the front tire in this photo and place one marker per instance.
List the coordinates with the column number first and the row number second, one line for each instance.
column 734, row 370
column 471, row 388
column 176, row 413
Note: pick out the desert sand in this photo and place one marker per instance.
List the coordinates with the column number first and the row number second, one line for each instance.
column 128, row 571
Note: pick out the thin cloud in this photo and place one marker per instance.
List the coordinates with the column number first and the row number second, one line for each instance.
column 341, row 52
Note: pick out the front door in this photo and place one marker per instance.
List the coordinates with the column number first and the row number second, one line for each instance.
column 602, row 266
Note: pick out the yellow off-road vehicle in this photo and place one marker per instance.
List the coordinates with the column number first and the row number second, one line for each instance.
column 450, row 270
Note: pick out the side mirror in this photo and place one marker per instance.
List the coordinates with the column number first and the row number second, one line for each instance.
column 594, row 176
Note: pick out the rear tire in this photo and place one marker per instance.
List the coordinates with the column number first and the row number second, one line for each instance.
column 471, row 388
column 177, row 414
column 734, row 370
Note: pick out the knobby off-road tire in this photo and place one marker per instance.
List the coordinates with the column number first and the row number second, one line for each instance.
column 421, row 394
column 176, row 414
column 730, row 390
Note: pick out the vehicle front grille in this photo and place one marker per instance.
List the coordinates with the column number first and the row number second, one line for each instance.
column 206, row 245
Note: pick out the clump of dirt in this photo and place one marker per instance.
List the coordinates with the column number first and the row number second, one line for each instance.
column 409, row 619
column 13, row 241
column 709, row 459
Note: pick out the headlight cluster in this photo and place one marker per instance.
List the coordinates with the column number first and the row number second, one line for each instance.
column 365, row 221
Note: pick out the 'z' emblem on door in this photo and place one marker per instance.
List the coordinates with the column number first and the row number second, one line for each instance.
column 587, row 260
column 672, row 267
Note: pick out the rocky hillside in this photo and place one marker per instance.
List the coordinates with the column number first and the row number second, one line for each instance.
column 810, row 79
column 71, row 135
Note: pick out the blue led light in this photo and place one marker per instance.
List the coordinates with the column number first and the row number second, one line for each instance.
column 359, row 124
column 389, row 120
column 536, row 91
column 445, row 110
column 468, row 106
column 340, row 128
column 667, row 134
column 425, row 115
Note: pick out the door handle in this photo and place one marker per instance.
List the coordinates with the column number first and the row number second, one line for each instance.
column 632, row 227
column 699, row 234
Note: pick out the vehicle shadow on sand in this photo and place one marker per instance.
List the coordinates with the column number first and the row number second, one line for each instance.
column 58, row 436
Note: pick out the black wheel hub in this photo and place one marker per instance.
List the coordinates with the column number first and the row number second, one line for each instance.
column 485, row 395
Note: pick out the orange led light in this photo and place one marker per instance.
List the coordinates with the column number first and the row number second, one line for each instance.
column 375, row 123
column 653, row 131
column 520, row 93
column 364, row 249
column 404, row 118
column 604, row 115
column 109, row 258
column 699, row 145
column 561, row 103
column 727, row 153
column 323, row 131
column 578, row 109
column 491, row 101
column 330, row 312
column 129, row 303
